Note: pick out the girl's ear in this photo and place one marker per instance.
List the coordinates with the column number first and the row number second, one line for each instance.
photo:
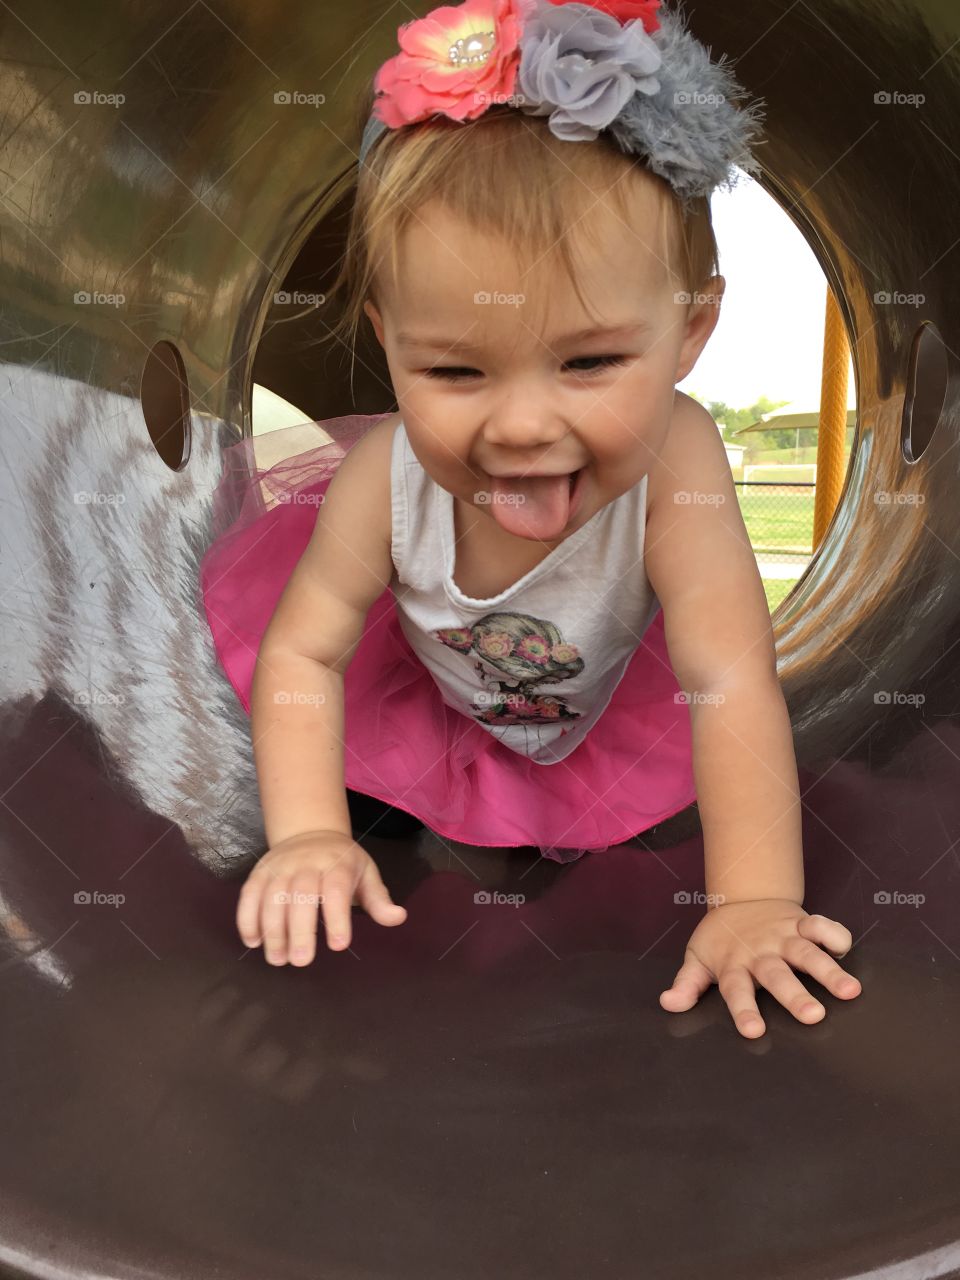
column 375, row 319
column 701, row 321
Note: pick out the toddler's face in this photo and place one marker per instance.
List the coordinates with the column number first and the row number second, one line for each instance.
column 497, row 392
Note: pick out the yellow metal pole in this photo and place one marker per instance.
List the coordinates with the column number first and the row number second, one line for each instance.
column 832, row 435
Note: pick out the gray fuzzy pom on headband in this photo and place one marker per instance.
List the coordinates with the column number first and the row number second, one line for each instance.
column 657, row 94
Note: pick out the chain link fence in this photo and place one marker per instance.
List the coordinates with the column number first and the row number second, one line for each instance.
column 779, row 520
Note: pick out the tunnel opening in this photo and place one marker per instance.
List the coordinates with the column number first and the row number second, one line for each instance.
column 300, row 372
column 165, row 401
column 927, row 377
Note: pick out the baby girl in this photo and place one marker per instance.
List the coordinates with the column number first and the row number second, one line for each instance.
column 531, row 242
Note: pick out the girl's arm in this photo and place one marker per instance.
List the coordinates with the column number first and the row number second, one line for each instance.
column 720, row 638
column 719, row 635
column 297, row 719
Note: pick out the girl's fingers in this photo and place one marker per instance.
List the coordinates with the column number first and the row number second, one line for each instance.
column 302, row 916
column 374, row 897
column 804, row 955
column 691, row 982
column 336, row 900
column 736, row 987
column 833, row 935
column 273, row 919
column 248, row 911
column 778, row 978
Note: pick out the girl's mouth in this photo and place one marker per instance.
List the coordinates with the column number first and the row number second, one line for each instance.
column 536, row 506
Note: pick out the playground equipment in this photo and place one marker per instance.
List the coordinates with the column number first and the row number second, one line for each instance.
column 492, row 1088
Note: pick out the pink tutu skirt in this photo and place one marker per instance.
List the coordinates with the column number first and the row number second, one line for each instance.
column 404, row 744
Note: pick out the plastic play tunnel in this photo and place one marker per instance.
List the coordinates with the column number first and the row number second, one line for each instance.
column 491, row 1089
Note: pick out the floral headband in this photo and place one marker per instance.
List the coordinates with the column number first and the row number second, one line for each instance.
column 613, row 66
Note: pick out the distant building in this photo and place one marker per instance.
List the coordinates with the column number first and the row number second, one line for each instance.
column 735, row 454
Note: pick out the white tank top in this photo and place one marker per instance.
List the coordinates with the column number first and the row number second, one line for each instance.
column 538, row 663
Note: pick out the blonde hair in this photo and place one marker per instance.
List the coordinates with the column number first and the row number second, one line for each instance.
column 506, row 174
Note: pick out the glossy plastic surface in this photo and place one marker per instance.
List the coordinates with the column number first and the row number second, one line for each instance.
column 492, row 1088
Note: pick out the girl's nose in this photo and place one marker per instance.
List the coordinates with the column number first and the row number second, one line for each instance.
column 531, row 430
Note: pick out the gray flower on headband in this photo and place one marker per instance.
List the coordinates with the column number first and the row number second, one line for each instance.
column 692, row 132
column 659, row 97
column 581, row 67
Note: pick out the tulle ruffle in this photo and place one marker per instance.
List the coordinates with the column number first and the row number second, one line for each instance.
column 403, row 744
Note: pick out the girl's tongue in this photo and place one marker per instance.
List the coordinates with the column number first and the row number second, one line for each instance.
column 532, row 506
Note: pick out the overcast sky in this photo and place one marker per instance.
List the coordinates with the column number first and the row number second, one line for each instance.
column 769, row 339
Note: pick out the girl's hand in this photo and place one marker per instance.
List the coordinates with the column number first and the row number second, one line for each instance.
column 741, row 941
column 278, row 903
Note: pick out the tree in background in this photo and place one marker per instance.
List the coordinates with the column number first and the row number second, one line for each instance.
column 760, row 442
column 731, row 420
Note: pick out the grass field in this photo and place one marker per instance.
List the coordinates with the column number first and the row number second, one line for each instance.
column 777, row 589
column 779, row 521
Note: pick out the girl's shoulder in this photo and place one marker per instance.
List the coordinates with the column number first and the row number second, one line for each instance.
column 381, row 436
column 388, row 427
column 373, row 451
column 362, row 481
column 692, row 431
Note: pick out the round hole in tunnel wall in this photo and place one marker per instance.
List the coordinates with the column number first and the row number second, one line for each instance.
column 165, row 399
column 927, row 375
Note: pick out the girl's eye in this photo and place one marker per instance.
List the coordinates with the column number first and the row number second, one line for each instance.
column 603, row 362
column 449, row 373
column 455, row 373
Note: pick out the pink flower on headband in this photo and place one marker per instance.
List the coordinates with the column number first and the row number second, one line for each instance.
column 457, row 61
column 627, row 11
